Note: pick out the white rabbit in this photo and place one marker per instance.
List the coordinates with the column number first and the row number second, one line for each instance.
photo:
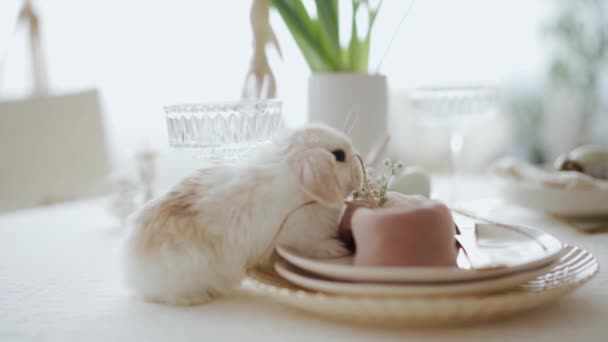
column 196, row 241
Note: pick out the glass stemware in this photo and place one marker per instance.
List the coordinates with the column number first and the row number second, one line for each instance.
column 223, row 132
column 459, row 111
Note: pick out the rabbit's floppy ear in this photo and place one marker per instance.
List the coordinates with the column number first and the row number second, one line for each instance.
column 318, row 178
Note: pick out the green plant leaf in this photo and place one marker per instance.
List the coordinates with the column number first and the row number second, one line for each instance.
column 327, row 12
column 357, row 50
column 363, row 57
column 358, row 55
column 319, row 38
column 306, row 33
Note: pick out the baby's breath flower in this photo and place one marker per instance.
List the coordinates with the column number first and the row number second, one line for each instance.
column 374, row 189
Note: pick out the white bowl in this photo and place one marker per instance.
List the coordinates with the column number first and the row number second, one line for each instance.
column 562, row 202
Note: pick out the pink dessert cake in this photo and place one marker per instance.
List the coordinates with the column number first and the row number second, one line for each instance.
column 405, row 231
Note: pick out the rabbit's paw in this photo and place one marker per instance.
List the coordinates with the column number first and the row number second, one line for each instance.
column 330, row 248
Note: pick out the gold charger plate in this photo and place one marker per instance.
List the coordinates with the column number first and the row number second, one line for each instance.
column 575, row 267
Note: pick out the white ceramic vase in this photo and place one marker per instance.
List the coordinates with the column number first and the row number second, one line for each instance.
column 332, row 97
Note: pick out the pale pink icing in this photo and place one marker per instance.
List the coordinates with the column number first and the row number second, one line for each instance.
column 406, row 231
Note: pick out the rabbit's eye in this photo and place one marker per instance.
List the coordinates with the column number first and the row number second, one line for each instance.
column 339, row 154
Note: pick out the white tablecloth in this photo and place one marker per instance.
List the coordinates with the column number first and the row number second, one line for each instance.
column 60, row 280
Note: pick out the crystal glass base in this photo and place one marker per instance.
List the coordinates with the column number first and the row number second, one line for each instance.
column 223, row 131
column 227, row 153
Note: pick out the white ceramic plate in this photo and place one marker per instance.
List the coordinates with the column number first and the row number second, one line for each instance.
column 522, row 248
column 562, row 202
column 575, row 267
column 475, row 287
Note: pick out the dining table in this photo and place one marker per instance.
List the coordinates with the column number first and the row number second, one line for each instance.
column 61, row 280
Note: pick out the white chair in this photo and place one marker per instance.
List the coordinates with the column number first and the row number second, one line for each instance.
column 52, row 148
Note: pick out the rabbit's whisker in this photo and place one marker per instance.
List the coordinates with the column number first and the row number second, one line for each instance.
column 351, row 121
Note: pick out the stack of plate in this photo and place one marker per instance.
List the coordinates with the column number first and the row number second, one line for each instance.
column 532, row 268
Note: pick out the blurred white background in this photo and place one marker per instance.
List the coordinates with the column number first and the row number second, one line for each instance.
column 142, row 55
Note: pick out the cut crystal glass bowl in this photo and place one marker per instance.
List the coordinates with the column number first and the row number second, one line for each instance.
column 223, row 131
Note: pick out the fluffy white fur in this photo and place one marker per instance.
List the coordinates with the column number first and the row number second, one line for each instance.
column 196, row 241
